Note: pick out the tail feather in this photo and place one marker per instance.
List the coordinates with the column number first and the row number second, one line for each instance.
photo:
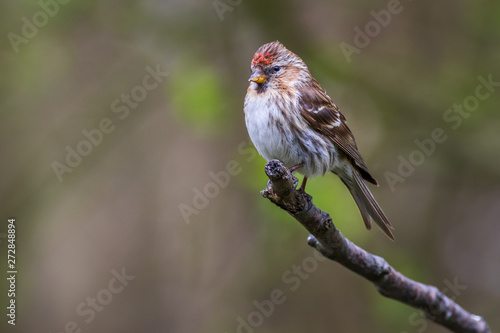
column 368, row 207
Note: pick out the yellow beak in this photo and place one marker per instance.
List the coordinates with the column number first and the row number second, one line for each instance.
column 258, row 78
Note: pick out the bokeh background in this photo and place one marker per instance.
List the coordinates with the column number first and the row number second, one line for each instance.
column 198, row 263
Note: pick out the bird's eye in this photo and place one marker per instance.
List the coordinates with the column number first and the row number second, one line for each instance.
column 276, row 68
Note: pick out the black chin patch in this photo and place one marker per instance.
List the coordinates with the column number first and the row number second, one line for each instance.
column 261, row 88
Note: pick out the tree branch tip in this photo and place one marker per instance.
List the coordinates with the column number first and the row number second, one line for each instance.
column 275, row 169
column 477, row 318
column 312, row 241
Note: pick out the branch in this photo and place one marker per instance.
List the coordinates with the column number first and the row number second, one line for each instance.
column 332, row 244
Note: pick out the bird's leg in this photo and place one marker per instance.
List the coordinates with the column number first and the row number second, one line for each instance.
column 295, row 167
column 303, row 186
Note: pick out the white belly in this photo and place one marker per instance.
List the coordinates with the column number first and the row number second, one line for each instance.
column 274, row 140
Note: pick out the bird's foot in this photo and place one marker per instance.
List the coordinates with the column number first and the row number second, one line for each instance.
column 295, row 167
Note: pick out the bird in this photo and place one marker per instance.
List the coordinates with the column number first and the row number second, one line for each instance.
column 290, row 117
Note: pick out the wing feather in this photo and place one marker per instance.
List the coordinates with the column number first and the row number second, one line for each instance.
column 323, row 116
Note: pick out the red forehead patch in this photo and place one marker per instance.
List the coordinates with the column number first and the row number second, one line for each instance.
column 263, row 59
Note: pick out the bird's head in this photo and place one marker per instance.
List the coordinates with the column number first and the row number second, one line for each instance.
column 274, row 66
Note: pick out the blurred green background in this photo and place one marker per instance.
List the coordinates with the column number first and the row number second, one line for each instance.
column 159, row 87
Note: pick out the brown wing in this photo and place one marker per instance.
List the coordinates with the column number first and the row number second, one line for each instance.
column 324, row 117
